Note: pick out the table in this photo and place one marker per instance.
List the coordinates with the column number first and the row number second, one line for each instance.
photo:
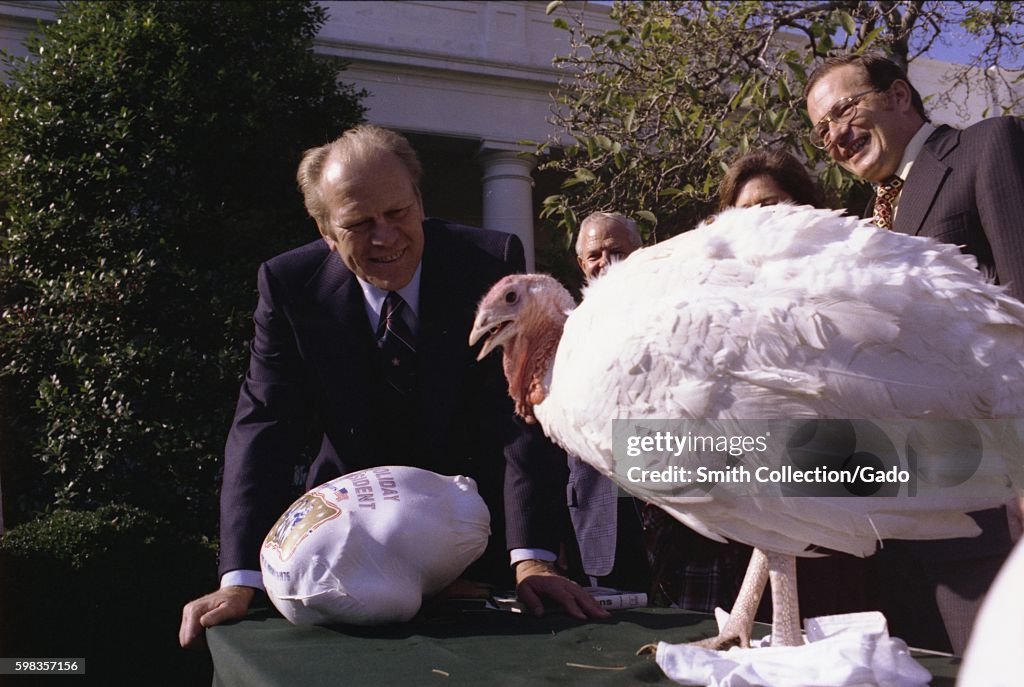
column 471, row 648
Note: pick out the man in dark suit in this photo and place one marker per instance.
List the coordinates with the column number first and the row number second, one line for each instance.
column 961, row 187
column 321, row 351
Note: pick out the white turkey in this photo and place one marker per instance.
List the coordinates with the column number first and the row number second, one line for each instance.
column 766, row 313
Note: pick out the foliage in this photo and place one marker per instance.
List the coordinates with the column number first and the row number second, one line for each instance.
column 78, row 538
column 104, row 585
column 148, row 151
column 656, row 107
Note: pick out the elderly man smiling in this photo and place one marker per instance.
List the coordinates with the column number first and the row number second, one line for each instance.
column 361, row 336
column 604, row 238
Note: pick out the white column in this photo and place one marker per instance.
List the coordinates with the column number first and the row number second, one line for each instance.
column 508, row 192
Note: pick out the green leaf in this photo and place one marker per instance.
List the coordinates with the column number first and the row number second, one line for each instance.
column 552, row 6
column 849, row 25
column 869, row 40
column 706, row 188
column 835, row 176
column 783, row 89
column 560, row 23
column 677, row 116
column 781, row 120
column 648, row 217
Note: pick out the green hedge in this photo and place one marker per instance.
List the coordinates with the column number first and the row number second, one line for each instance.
column 106, row 585
column 148, row 151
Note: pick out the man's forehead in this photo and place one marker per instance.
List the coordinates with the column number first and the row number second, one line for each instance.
column 604, row 227
column 835, row 85
column 332, row 170
column 348, row 169
column 356, row 179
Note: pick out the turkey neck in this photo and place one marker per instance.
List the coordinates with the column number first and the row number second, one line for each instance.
column 527, row 361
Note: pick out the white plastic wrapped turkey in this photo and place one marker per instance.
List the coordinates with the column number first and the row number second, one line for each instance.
column 367, row 547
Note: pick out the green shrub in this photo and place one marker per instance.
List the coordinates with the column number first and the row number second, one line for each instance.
column 105, row 585
column 73, row 539
column 148, row 151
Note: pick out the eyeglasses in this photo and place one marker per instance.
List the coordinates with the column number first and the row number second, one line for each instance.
column 840, row 113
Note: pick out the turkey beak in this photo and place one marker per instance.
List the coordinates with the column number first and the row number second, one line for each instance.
column 495, row 330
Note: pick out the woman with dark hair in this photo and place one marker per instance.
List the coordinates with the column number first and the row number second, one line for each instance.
column 767, row 178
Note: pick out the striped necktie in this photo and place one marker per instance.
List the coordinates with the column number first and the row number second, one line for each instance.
column 885, row 196
column 397, row 344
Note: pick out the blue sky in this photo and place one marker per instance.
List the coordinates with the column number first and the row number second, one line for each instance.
column 956, row 46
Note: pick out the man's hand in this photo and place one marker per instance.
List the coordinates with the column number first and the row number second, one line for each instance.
column 227, row 603
column 537, row 580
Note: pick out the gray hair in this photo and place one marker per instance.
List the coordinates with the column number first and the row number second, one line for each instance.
column 359, row 142
column 629, row 224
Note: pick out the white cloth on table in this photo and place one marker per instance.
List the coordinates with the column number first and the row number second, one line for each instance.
column 841, row 651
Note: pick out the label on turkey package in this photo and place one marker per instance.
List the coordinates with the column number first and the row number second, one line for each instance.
column 318, row 507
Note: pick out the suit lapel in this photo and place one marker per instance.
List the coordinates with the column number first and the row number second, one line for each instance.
column 445, row 320
column 925, row 181
column 341, row 337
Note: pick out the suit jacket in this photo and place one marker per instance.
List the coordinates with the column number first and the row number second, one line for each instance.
column 967, row 188
column 314, row 365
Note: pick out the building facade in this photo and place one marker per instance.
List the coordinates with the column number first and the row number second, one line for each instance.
column 469, row 82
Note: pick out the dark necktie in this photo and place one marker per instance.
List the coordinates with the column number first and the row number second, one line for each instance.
column 397, row 345
column 885, row 196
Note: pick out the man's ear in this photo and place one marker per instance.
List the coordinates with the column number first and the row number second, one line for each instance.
column 900, row 92
column 331, row 242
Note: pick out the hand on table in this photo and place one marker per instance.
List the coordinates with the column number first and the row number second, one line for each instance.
column 538, row 580
column 227, row 603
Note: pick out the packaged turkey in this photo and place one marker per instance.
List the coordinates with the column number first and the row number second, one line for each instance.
column 367, row 547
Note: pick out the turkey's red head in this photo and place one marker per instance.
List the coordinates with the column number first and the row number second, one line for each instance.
column 524, row 314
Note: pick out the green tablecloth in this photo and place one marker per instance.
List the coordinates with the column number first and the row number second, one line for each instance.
column 472, row 648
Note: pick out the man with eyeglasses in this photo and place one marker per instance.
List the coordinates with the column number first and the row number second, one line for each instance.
column 964, row 187
column 321, row 360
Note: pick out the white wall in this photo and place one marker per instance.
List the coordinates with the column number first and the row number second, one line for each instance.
column 472, row 69
column 931, row 78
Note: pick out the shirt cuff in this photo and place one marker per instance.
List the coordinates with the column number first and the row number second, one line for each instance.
column 242, row 578
column 518, row 555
